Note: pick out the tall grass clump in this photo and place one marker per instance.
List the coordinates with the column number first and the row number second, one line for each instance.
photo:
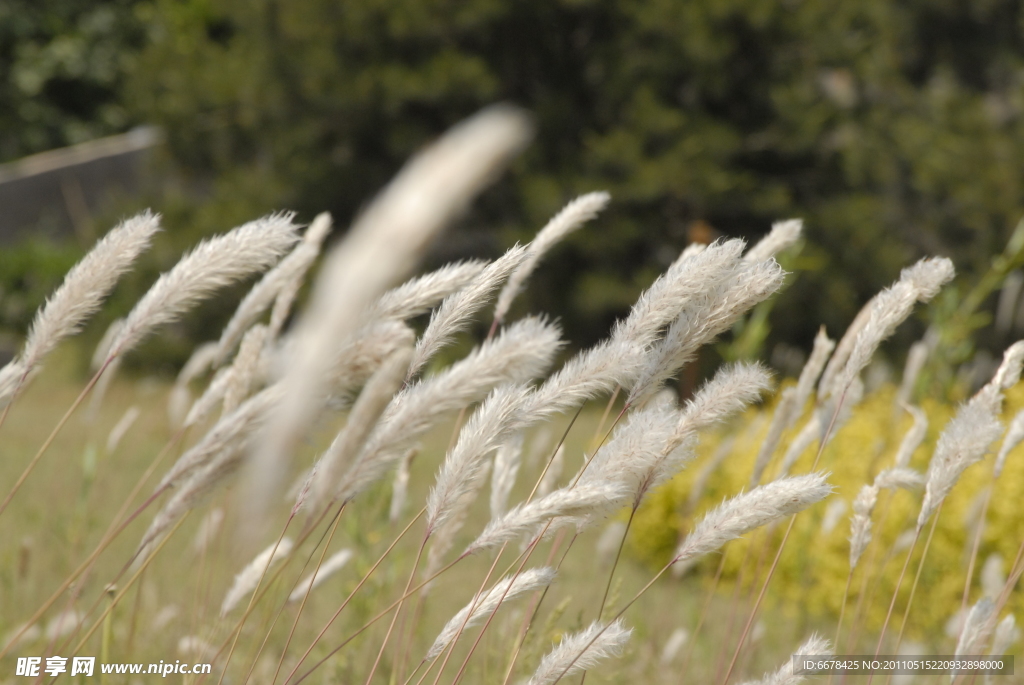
column 336, row 501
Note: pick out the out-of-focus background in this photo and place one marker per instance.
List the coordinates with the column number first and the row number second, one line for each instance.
column 894, row 129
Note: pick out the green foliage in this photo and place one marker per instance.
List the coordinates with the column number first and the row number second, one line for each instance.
column 894, row 129
column 64, row 63
column 28, row 274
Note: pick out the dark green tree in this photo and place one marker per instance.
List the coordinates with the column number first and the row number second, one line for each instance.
column 62, row 66
column 894, row 129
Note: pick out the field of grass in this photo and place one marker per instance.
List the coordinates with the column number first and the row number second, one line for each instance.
column 624, row 537
column 62, row 512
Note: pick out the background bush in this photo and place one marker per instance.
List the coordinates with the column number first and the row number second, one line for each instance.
column 895, row 130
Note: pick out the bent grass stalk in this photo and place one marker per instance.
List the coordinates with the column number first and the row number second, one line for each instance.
column 53, row 434
column 913, row 586
column 531, row 615
column 782, row 545
column 532, row 546
column 348, row 599
column 974, row 553
column 394, row 618
column 252, row 597
column 525, row 556
column 302, row 605
column 113, row 530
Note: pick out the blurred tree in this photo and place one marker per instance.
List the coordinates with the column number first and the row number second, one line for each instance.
column 62, row 66
column 894, row 129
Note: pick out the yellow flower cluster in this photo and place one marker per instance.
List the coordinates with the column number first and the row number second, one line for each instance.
column 813, row 570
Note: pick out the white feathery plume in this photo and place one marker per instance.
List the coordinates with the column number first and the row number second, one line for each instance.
column 99, row 355
column 262, row 295
column 721, row 304
column 700, row 483
column 833, row 514
column 504, row 590
column 331, row 565
column 247, row 368
column 964, row 442
column 1013, row 437
column 400, row 487
column 860, row 522
column 306, row 254
column 80, row 295
column 486, row 430
column 226, row 434
column 180, row 398
column 581, row 651
column 639, row 449
column 977, row 630
column 685, row 280
column 519, row 354
column 207, row 531
column 366, row 412
column 249, row 577
column 914, row 437
column 122, row 426
column 381, row 249
column 1006, row 634
column 888, row 309
column 1008, row 373
column 733, row 388
column 506, row 466
column 675, row 642
column 691, row 250
column 11, row 379
column 211, row 265
column 211, row 397
column 457, row 310
column 196, row 648
column 992, row 575
column 443, row 538
column 553, row 473
column 358, row 358
column 804, row 439
column 571, row 217
column 745, row 512
column 584, row 500
column 783, row 235
column 786, row 675
column 967, row 436
column 899, row 478
column 843, row 349
column 205, row 467
column 419, row 295
column 619, row 360
column 791, row 403
column 916, row 358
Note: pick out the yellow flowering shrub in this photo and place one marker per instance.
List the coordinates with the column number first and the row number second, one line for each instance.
column 813, row 570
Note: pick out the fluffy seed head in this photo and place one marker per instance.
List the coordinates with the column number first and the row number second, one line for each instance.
column 249, row 577
column 815, row 646
column 782, row 235
column 213, row 264
column 504, row 590
column 582, row 651
column 380, row 249
column 743, row 513
column 331, row 565
column 571, row 217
